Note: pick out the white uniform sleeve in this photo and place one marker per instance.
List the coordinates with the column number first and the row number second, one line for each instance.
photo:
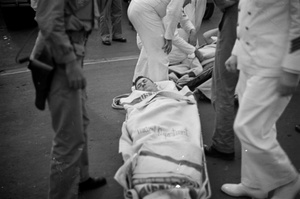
column 181, row 44
column 186, row 23
column 291, row 62
column 172, row 17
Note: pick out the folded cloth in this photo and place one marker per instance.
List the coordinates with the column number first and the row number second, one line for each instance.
column 140, row 99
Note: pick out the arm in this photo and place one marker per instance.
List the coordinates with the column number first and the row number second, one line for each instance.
column 170, row 22
column 185, row 47
column 289, row 78
column 186, row 23
column 189, row 28
column 50, row 16
column 231, row 63
column 208, row 34
column 173, row 14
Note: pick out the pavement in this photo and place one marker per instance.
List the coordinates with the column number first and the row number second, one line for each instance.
column 26, row 133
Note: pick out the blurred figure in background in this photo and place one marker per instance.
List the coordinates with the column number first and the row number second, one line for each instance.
column 111, row 21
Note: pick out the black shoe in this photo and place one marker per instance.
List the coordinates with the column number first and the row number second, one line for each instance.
column 297, row 128
column 121, row 39
column 212, row 152
column 108, row 43
column 91, row 183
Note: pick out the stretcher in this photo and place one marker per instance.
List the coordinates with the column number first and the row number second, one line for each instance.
column 162, row 147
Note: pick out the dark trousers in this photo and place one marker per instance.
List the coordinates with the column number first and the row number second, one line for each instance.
column 224, row 83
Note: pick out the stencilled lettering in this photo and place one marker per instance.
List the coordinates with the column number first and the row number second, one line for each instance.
column 159, row 131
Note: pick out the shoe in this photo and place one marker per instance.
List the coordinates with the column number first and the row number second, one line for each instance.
column 239, row 190
column 288, row 191
column 108, row 43
column 91, row 183
column 121, row 39
column 297, row 128
column 212, row 152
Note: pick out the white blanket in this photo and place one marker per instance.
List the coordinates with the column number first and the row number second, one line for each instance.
column 161, row 144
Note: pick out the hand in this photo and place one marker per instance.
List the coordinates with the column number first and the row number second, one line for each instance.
column 75, row 75
column 288, row 83
column 167, row 46
column 193, row 38
column 231, row 64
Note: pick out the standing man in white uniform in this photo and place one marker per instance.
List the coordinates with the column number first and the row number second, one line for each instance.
column 267, row 53
column 181, row 49
column 155, row 21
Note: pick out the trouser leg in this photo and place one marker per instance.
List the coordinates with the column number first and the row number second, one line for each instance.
column 265, row 165
column 224, row 83
column 105, row 21
column 116, row 18
column 69, row 163
column 84, row 161
column 149, row 26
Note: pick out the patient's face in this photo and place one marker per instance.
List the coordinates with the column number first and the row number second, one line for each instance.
column 145, row 84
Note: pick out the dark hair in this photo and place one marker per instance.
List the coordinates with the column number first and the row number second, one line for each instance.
column 138, row 78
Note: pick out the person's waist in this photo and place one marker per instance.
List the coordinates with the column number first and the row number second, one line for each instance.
column 78, row 36
column 75, row 24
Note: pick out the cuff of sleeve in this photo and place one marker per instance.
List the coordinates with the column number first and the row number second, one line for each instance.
column 291, row 66
column 291, row 63
column 192, row 30
column 168, row 37
column 291, row 71
column 191, row 51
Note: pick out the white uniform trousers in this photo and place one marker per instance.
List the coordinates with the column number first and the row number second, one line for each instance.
column 153, row 61
column 264, row 163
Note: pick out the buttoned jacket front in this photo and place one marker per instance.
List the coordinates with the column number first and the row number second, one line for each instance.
column 266, row 32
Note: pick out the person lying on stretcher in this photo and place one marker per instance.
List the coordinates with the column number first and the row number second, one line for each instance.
column 161, row 143
column 144, row 87
column 143, row 83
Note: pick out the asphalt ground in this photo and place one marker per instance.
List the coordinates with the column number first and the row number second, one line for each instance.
column 26, row 133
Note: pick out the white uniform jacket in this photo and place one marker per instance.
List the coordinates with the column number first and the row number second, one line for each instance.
column 269, row 44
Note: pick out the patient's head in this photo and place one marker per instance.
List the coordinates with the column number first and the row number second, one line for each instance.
column 143, row 83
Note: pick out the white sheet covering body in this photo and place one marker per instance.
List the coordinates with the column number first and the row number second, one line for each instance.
column 161, row 145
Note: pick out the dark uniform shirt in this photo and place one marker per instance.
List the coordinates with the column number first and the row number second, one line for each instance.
column 57, row 18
